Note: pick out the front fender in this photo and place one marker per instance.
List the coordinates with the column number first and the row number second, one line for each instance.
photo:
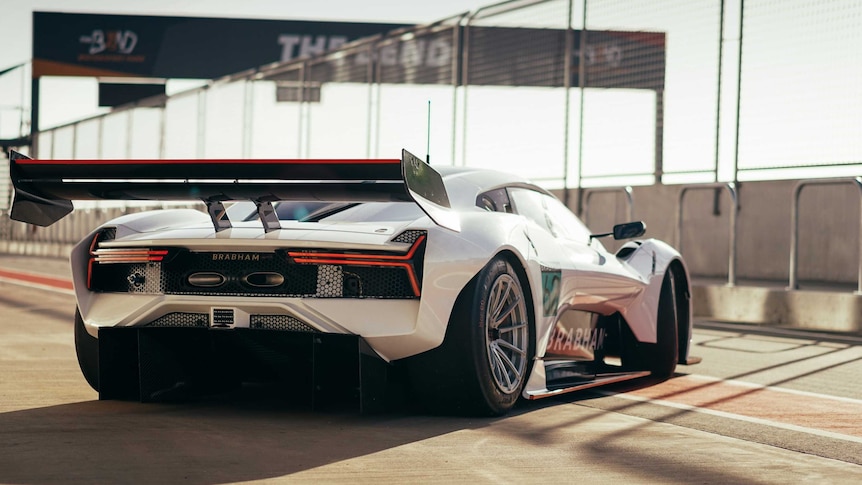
column 651, row 261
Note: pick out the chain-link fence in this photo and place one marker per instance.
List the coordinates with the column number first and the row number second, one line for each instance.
column 570, row 93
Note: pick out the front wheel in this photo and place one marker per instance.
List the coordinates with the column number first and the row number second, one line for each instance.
column 666, row 351
column 485, row 359
column 87, row 348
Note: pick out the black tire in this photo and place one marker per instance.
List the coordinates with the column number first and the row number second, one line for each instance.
column 87, row 348
column 666, row 350
column 484, row 362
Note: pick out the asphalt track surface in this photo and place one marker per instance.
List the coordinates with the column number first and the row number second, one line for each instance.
column 765, row 406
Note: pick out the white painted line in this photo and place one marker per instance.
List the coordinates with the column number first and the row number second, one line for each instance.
column 744, row 329
column 739, row 417
column 751, row 385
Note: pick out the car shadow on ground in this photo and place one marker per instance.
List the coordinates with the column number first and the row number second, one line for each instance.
column 233, row 438
column 250, row 434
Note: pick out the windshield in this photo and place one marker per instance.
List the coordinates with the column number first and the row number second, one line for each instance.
column 314, row 211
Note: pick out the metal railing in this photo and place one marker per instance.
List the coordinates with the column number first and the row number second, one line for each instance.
column 588, row 194
column 794, row 221
column 734, row 202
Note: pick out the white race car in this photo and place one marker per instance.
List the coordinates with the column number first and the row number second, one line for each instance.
column 342, row 278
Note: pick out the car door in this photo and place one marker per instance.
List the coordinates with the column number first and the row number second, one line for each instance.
column 591, row 279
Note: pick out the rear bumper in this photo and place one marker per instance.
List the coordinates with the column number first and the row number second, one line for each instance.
column 389, row 326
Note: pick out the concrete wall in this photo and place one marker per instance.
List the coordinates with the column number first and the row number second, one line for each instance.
column 829, row 219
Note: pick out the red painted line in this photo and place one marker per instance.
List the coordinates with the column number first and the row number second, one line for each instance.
column 39, row 279
column 210, row 161
column 798, row 409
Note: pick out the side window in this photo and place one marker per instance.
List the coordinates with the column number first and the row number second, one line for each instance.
column 549, row 213
column 494, row 201
column 529, row 204
column 566, row 222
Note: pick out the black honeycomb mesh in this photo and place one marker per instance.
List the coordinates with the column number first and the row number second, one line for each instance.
column 181, row 319
column 408, row 237
column 363, row 281
column 279, row 322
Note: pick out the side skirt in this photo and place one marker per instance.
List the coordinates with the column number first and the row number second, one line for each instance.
column 570, row 376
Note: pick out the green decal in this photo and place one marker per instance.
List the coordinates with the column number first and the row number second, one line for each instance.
column 550, row 292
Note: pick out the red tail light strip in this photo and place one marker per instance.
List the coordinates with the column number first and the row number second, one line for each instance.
column 376, row 257
column 113, row 256
column 92, row 259
column 128, row 255
column 349, row 259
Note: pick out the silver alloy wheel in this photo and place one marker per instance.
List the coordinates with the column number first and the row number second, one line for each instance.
column 507, row 335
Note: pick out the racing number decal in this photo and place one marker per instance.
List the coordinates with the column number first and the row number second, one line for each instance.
column 550, row 292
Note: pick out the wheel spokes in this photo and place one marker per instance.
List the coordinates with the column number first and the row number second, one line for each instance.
column 512, row 327
column 502, row 361
column 513, row 348
column 499, row 317
column 507, row 333
column 499, row 300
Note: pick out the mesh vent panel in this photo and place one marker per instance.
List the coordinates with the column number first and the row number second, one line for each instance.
column 279, row 322
column 180, row 319
column 375, row 282
column 330, row 281
column 408, row 237
column 222, row 316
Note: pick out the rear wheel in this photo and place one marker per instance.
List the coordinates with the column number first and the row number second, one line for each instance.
column 485, row 359
column 87, row 348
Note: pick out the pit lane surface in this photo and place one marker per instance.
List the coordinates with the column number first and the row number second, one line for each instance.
column 763, row 407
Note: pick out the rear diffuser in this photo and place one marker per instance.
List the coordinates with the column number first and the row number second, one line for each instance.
column 321, row 371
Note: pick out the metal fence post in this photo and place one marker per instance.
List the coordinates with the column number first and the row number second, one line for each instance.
column 734, row 201
column 794, row 233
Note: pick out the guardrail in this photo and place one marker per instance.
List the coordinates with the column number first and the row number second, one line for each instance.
column 794, row 221
column 734, row 201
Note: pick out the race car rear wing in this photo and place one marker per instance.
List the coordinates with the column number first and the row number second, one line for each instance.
column 44, row 189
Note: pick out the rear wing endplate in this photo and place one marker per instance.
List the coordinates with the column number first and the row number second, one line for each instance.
column 44, row 189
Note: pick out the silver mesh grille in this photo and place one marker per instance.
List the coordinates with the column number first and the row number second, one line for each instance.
column 180, row 319
column 279, row 322
column 330, row 281
column 145, row 278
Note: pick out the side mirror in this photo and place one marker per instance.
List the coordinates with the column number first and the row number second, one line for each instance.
column 629, row 230
column 626, row 230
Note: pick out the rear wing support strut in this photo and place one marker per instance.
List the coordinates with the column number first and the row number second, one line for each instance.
column 218, row 214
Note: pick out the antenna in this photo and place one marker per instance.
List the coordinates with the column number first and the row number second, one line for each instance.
column 428, row 136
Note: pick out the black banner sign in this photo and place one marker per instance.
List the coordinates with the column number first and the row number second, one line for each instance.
column 506, row 56
column 66, row 44
column 207, row 48
column 502, row 56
